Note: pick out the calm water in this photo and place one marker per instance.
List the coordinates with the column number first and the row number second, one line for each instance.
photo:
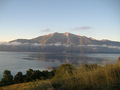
column 22, row 61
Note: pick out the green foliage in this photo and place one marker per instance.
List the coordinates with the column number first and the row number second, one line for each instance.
column 19, row 78
column 68, row 77
column 31, row 75
column 7, row 78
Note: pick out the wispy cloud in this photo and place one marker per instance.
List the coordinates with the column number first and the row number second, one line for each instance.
column 46, row 30
column 82, row 28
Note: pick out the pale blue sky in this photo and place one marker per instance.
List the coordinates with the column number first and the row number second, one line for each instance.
column 99, row 19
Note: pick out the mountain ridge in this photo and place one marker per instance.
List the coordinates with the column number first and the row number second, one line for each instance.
column 62, row 43
column 66, row 39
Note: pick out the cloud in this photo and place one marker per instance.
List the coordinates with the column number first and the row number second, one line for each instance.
column 82, row 28
column 46, row 30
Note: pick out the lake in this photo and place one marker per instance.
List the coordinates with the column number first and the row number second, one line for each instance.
column 22, row 61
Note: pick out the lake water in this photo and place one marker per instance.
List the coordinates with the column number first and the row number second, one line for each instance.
column 22, row 61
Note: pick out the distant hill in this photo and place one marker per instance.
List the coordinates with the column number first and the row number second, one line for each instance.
column 62, row 42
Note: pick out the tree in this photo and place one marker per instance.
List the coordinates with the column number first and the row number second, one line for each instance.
column 19, row 78
column 7, row 78
column 29, row 74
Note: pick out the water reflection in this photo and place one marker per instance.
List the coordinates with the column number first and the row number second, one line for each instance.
column 73, row 58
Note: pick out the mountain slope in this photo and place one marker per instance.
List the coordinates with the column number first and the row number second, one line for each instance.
column 62, row 42
column 66, row 39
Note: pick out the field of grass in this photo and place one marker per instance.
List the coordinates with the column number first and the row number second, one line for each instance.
column 85, row 77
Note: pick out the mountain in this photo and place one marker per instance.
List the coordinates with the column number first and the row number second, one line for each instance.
column 62, row 42
column 66, row 39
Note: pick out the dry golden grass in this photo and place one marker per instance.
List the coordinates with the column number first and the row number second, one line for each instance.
column 86, row 77
column 36, row 85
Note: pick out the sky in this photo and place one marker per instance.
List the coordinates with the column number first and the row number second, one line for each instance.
column 27, row 19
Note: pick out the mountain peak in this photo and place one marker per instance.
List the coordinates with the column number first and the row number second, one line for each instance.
column 65, row 39
column 67, row 34
column 55, row 33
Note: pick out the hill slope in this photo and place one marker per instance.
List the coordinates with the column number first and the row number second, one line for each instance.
column 86, row 77
column 66, row 39
column 62, row 42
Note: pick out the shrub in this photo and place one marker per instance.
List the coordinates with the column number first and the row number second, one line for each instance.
column 7, row 78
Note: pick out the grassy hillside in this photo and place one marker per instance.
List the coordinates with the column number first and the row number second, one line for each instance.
column 85, row 77
column 36, row 85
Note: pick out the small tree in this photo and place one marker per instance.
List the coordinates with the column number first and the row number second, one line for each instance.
column 7, row 78
column 29, row 74
column 19, row 78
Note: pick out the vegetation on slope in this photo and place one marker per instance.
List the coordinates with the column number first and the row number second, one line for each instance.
column 31, row 75
column 85, row 77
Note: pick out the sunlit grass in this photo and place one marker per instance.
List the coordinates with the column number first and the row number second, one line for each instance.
column 85, row 77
